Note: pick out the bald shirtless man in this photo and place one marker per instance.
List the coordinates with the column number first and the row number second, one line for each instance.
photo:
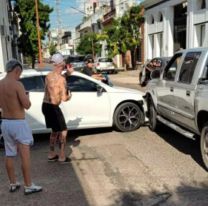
column 15, row 130
column 56, row 92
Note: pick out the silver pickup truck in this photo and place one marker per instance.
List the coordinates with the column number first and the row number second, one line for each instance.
column 178, row 96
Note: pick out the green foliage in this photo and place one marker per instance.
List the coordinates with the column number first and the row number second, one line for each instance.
column 124, row 34
column 28, row 40
column 52, row 49
column 89, row 44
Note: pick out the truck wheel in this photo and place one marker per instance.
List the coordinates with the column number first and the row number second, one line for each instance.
column 128, row 117
column 204, row 145
column 152, row 116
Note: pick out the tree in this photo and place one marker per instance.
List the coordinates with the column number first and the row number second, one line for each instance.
column 89, row 44
column 52, row 49
column 28, row 40
column 124, row 33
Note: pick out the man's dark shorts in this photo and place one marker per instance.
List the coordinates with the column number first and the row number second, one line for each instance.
column 54, row 117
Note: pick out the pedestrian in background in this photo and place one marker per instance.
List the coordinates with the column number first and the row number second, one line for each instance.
column 15, row 130
column 55, row 92
column 89, row 70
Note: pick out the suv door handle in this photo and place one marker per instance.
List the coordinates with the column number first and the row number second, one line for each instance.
column 171, row 89
column 188, row 93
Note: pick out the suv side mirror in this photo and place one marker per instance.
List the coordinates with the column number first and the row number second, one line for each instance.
column 155, row 74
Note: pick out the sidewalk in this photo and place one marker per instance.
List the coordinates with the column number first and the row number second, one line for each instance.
column 126, row 77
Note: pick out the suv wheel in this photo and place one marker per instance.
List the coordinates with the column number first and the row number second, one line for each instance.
column 152, row 116
column 128, row 117
column 204, row 145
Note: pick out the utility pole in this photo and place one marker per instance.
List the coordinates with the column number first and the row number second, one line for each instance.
column 38, row 32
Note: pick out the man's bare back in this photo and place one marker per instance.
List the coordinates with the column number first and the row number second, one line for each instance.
column 13, row 99
column 55, row 90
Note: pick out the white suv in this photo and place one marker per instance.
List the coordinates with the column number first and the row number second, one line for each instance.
column 105, row 64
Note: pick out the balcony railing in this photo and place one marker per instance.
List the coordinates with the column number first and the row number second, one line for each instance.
column 109, row 16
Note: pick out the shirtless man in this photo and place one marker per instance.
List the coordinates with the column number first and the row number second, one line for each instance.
column 55, row 93
column 15, row 130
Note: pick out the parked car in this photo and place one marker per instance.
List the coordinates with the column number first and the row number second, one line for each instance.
column 157, row 63
column 178, row 98
column 93, row 103
column 77, row 61
column 104, row 64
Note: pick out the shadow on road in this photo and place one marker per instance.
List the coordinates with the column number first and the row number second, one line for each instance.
column 183, row 195
column 61, row 184
column 181, row 143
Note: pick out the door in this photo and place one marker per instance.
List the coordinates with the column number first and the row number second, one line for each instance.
column 87, row 107
column 34, row 116
column 165, row 88
column 185, row 91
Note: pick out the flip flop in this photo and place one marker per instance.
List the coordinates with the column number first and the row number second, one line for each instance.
column 53, row 159
column 67, row 160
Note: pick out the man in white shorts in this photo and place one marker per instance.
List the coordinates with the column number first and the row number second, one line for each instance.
column 15, row 130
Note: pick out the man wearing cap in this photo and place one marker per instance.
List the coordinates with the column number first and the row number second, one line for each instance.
column 88, row 70
column 15, row 130
column 55, row 92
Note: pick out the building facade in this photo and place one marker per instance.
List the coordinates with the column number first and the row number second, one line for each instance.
column 171, row 25
column 8, row 47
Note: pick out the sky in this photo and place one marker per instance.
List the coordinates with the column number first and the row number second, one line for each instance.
column 69, row 17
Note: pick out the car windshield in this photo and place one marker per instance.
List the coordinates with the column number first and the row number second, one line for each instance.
column 105, row 60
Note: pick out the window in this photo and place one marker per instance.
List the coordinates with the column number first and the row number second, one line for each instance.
column 151, row 41
column 160, row 39
column 188, row 67
column 202, row 34
column 154, row 63
column 105, row 60
column 79, row 84
column 200, row 4
column 160, row 17
column 34, row 84
column 171, row 68
column 152, row 21
column 203, row 4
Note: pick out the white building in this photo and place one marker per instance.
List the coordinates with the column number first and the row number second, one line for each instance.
column 6, row 34
column 121, row 6
column 174, row 24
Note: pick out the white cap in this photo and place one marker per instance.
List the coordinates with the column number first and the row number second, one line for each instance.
column 57, row 58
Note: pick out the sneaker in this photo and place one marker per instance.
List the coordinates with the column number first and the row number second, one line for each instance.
column 14, row 187
column 32, row 189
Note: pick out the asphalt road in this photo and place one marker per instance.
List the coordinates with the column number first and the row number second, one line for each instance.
column 110, row 168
